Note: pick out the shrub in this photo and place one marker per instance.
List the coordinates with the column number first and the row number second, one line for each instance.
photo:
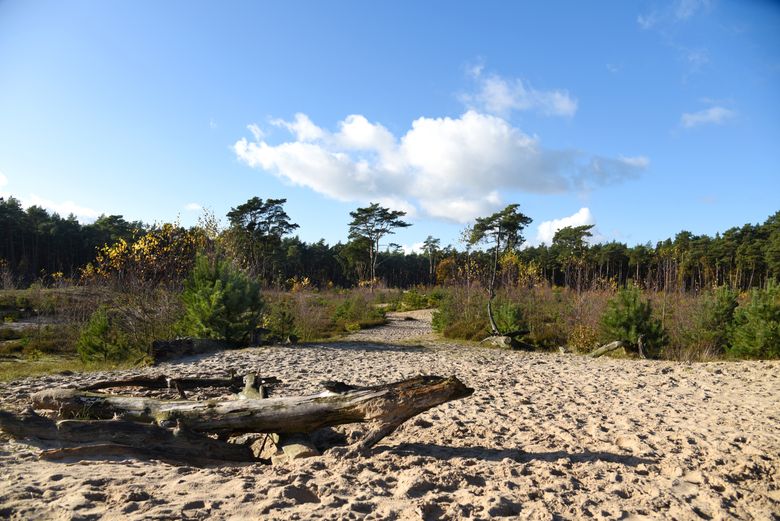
column 757, row 330
column 356, row 312
column 508, row 317
column 583, row 338
column 311, row 317
column 220, row 302
column 99, row 341
column 413, row 299
column 545, row 311
column 461, row 316
column 628, row 316
column 280, row 319
column 713, row 322
column 435, row 297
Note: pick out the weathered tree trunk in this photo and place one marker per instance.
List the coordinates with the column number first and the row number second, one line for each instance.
column 385, row 407
column 617, row 344
column 147, row 439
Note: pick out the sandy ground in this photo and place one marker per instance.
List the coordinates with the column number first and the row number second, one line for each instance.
column 545, row 436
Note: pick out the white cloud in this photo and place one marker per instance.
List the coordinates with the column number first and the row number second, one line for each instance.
column 497, row 95
column 450, row 168
column 193, row 207
column 256, row 131
column 302, row 127
column 713, row 115
column 546, row 230
column 417, row 247
column 675, row 12
column 647, row 21
column 63, row 208
column 685, row 9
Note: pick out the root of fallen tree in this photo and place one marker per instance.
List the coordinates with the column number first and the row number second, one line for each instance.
column 194, row 431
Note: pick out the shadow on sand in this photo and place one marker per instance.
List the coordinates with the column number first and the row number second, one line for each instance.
column 444, row 452
column 361, row 345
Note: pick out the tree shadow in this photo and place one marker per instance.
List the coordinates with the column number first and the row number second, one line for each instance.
column 366, row 346
column 445, row 452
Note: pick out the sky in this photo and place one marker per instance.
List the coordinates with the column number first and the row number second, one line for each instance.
column 641, row 118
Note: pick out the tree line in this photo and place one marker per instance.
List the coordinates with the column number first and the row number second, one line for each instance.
column 40, row 246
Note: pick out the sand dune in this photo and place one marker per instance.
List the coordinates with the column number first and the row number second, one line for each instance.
column 545, row 436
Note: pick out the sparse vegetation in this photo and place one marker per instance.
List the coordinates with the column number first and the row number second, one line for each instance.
column 141, row 283
column 220, row 302
column 629, row 317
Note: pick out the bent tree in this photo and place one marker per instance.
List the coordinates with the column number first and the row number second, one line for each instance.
column 256, row 231
column 502, row 231
column 372, row 223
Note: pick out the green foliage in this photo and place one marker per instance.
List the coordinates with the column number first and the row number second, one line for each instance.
column 714, row 321
column 757, row 330
column 255, row 235
column 370, row 224
column 413, row 299
column 508, row 317
column 101, row 341
column 280, row 318
column 220, row 302
column 462, row 317
column 356, row 312
column 628, row 316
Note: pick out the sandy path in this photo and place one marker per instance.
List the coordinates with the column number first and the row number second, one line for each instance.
column 545, row 436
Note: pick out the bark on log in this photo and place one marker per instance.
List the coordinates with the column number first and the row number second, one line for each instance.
column 149, row 439
column 617, row 344
column 385, row 407
column 165, row 382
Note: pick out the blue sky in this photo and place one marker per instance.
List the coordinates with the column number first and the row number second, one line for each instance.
column 643, row 118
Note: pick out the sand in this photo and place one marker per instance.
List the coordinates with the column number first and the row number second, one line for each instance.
column 545, row 436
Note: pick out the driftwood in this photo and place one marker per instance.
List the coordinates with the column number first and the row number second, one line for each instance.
column 617, row 344
column 387, row 405
column 148, row 439
column 180, row 429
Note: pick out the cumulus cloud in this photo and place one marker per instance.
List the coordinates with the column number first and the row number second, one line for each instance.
column 497, row 95
column 546, row 230
column 193, row 207
column 448, row 168
column 711, row 116
column 302, row 127
column 417, row 247
column 63, row 208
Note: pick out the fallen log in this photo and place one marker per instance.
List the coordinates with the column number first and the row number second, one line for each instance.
column 385, row 407
column 617, row 344
column 149, row 439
